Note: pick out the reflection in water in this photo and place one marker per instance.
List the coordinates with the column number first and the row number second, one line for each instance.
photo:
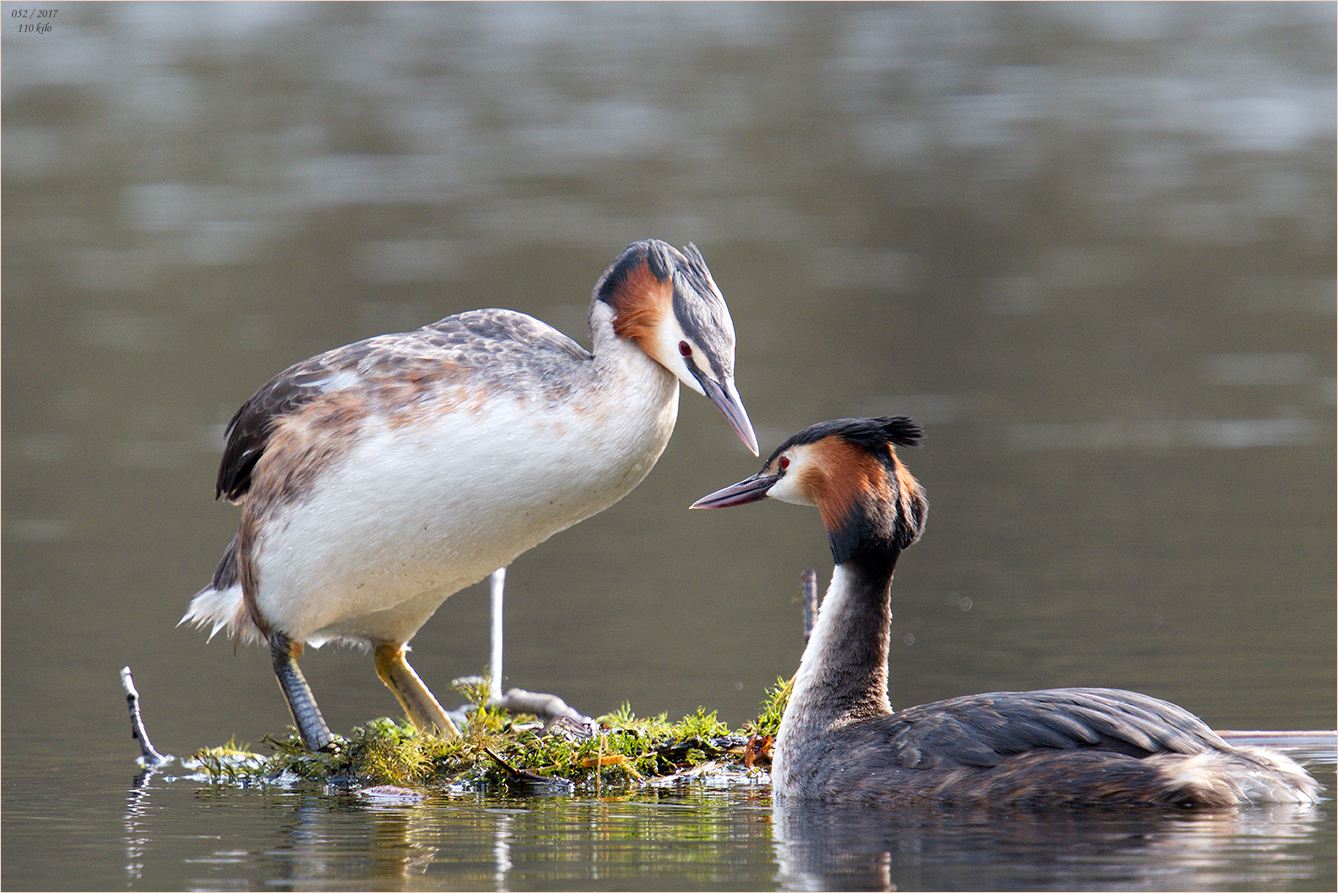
column 696, row 838
column 836, row 848
column 317, row 839
column 502, row 850
column 135, row 838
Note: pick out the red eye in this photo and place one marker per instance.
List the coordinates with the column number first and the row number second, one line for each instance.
column 684, row 348
column 784, row 462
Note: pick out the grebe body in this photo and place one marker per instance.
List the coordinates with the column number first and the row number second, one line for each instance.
column 379, row 478
column 413, row 537
column 841, row 741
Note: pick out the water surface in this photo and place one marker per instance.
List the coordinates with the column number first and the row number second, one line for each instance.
column 1090, row 247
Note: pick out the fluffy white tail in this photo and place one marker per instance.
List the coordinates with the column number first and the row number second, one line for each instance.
column 223, row 609
column 1240, row 776
column 222, row 605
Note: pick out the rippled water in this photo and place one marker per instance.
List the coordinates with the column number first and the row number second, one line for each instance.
column 1089, row 246
column 718, row 837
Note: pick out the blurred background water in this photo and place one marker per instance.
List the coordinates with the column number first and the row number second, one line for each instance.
column 1090, row 247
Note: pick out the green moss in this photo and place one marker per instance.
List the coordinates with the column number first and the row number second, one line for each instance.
column 773, row 708
column 500, row 751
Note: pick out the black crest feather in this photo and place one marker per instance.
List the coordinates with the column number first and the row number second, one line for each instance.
column 656, row 255
column 873, row 435
column 872, row 527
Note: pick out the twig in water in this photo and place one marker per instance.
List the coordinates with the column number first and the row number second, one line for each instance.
column 525, row 775
column 599, row 763
column 148, row 755
column 497, row 584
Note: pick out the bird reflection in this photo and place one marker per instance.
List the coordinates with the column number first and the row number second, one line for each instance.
column 831, row 847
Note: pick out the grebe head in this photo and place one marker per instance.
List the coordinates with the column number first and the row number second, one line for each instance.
column 666, row 302
column 849, row 469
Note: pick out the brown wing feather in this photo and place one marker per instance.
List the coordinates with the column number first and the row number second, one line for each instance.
column 493, row 346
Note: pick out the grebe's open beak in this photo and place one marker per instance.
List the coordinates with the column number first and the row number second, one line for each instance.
column 748, row 490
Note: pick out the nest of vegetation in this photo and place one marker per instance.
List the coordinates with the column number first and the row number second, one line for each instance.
column 508, row 753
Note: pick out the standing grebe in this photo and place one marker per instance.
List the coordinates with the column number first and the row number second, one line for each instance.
column 839, row 739
column 379, row 478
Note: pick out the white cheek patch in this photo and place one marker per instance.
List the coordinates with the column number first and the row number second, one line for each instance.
column 668, row 335
column 787, row 489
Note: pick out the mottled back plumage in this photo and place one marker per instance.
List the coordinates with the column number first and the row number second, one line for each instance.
column 485, row 347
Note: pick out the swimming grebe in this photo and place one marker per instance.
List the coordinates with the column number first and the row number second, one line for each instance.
column 379, row 478
column 839, row 739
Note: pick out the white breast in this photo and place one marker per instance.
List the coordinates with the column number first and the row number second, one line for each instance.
column 413, row 513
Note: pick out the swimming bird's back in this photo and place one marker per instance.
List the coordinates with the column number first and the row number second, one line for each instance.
column 1056, row 747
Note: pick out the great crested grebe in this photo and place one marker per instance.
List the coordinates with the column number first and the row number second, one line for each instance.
column 379, row 478
column 840, row 740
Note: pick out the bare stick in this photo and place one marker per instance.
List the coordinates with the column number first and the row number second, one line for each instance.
column 498, row 584
column 599, row 764
column 810, row 585
column 522, row 774
column 149, row 756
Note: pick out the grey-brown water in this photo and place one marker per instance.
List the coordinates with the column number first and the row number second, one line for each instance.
column 1090, row 247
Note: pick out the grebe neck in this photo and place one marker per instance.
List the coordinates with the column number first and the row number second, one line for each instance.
column 618, row 358
column 843, row 674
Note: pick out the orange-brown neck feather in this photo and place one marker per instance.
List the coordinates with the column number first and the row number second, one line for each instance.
column 871, row 508
column 640, row 301
column 841, row 478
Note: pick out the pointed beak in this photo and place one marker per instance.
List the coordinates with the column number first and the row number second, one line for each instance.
column 727, row 398
column 751, row 489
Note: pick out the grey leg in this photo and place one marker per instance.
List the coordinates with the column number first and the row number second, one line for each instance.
column 307, row 717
